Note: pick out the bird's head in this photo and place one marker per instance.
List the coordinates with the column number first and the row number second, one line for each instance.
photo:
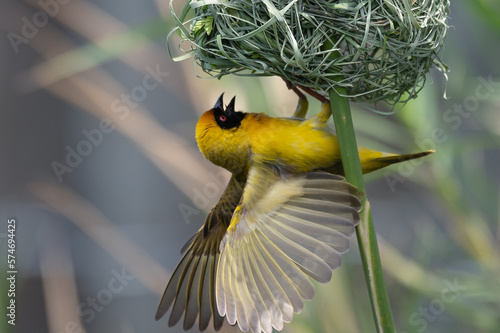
column 222, row 139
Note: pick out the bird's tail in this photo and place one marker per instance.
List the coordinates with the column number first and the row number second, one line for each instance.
column 371, row 162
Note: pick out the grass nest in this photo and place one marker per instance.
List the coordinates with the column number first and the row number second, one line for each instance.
column 379, row 50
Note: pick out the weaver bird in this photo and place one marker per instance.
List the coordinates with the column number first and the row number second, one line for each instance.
column 286, row 214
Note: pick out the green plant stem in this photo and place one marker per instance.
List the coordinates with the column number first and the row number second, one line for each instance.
column 365, row 232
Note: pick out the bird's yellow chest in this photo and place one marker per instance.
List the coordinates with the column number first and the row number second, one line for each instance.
column 229, row 149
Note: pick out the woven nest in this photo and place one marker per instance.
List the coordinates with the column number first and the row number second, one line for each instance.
column 379, row 50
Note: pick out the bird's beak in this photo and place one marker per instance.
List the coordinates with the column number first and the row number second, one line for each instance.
column 230, row 107
column 220, row 103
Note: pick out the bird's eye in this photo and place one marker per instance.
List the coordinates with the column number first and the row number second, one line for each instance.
column 222, row 118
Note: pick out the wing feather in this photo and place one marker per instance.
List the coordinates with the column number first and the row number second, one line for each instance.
column 294, row 279
column 191, row 286
column 320, row 233
column 318, row 253
column 251, row 315
column 269, row 292
column 254, row 295
column 220, row 293
column 181, row 295
column 204, row 293
column 295, row 228
column 303, row 257
column 230, row 302
column 218, row 319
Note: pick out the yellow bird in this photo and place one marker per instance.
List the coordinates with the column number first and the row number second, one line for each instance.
column 286, row 215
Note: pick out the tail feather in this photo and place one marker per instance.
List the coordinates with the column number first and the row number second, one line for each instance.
column 401, row 158
column 372, row 160
column 388, row 159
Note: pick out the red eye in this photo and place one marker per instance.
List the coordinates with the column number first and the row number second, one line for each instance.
column 222, row 118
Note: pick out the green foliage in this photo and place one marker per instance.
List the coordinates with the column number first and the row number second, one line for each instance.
column 205, row 25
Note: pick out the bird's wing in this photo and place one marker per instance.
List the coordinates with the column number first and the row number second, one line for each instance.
column 191, row 286
column 285, row 229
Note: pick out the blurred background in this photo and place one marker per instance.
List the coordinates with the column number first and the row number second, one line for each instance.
column 101, row 172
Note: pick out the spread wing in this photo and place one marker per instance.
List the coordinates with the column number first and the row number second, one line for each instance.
column 191, row 286
column 294, row 227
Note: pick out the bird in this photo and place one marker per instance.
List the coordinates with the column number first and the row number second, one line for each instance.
column 286, row 215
